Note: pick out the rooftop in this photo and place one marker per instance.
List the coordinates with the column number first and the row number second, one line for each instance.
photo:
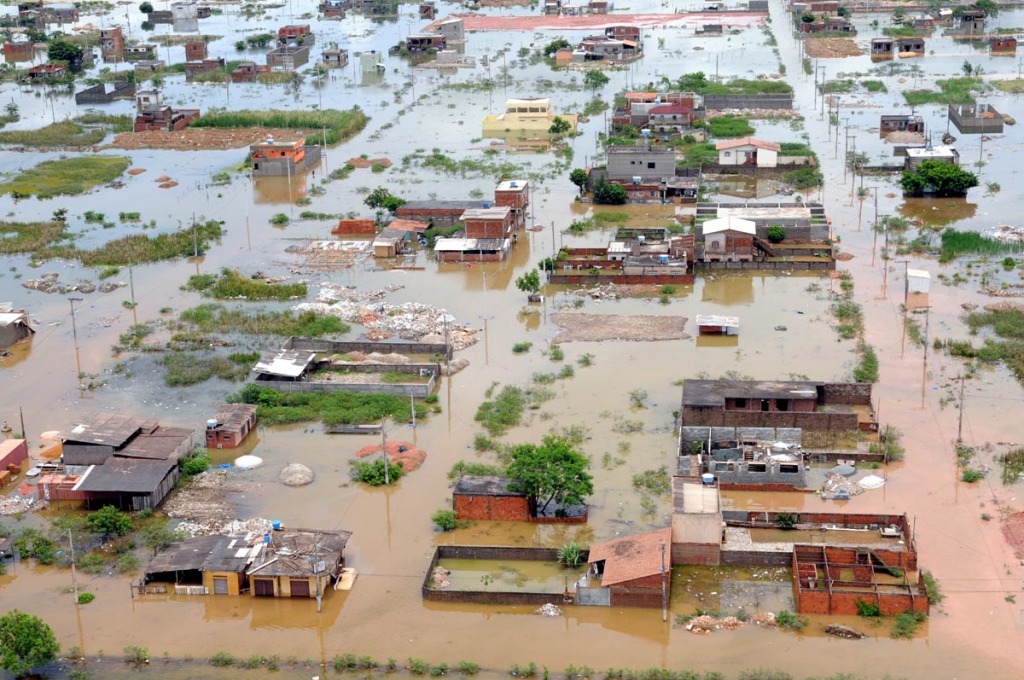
column 694, row 498
column 492, row 213
column 439, row 205
column 729, row 224
column 716, row 320
column 485, row 485
column 234, row 416
column 715, row 392
column 927, row 152
column 633, row 557
column 287, row 363
column 157, row 445
column 110, row 429
column 466, row 244
column 125, row 475
column 513, row 184
column 747, row 141
column 204, row 553
column 301, row 552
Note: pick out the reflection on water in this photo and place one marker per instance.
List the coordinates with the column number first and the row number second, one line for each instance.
column 282, row 190
column 728, row 290
column 15, row 354
column 528, row 576
column 937, row 212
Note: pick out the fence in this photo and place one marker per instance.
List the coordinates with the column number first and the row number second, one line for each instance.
column 748, row 101
column 321, row 346
column 409, row 389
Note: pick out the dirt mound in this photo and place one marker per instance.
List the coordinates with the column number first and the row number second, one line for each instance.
column 296, row 474
column 1005, row 306
column 369, row 162
column 831, row 48
column 405, row 453
column 600, row 327
column 136, row 171
column 200, row 138
column 844, row 257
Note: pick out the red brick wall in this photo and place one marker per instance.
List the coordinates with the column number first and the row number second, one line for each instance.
column 474, row 257
column 484, row 228
column 506, row 508
column 623, row 596
column 516, row 199
column 559, row 277
column 355, row 227
column 15, row 456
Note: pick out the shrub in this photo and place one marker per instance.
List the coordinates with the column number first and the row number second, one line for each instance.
column 444, row 520
column 906, row 625
column 136, row 655
column 971, row 475
column 785, row 520
column 222, row 659
column 790, row 621
column 570, row 554
column 109, row 521
column 867, row 609
column 193, row 465
column 776, row 234
column 467, row 668
column 279, row 220
column 418, row 666
column 373, row 472
column 521, row 347
column 85, row 598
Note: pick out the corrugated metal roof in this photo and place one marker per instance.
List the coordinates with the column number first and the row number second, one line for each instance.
column 729, row 223
column 286, row 363
column 296, row 552
column 716, row 320
column 111, row 429
column 125, row 475
column 468, row 244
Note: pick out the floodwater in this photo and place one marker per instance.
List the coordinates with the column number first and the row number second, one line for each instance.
column 975, row 632
column 510, row 575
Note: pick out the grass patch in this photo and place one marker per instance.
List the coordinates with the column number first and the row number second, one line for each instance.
column 729, row 126
column 521, row 347
column 956, row 243
column 874, row 86
column 931, row 586
column 655, row 481
column 66, row 176
column 1013, row 466
column 906, row 625
column 86, row 130
column 185, row 368
column 1012, row 86
column 951, row 91
column 503, row 412
column 698, row 154
column 866, row 369
column 340, row 126
column 331, row 408
column 214, row 318
column 231, row 285
column 1009, row 326
column 141, row 248
column 28, row 237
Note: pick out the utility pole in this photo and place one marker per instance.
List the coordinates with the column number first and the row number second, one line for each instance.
column 74, row 333
column 131, row 287
column 384, row 450
column 74, row 573
column 960, row 422
column 664, row 586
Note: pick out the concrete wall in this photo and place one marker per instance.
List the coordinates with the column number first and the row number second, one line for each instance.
column 969, row 121
column 748, row 101
column 815, row 422
column 749, row 473
column 696, row 553
column 234, row 581
column 850, row 394
column 450, row 256
column 419, row 390
column 320, row 345
column 755, row 558
column 595, row 279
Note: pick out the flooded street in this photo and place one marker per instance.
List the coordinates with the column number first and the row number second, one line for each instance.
column 977, row 631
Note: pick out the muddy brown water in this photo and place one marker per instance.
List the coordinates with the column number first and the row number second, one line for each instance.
column 975, row 632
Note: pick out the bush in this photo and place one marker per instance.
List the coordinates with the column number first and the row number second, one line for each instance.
column 868, row 609
column 467, row 668
column 444, row 520
column 222, row 659
column 373, row 473
column 109, row 521
column 971, row 475
column 790, row 621
column 85, row 598
column 193, row 465
column 418, row 666
column 776, row 234
column 906, row 625
column 521, row 347
column 136, row 655
column 570, row 554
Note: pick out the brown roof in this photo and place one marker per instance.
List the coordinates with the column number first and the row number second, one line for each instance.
column 633, row 557
column 298, row 552
column 747, row 141
column 157, row 445
column 233, row 417
column 355, row 227
column 111, row 429
column 409, row 225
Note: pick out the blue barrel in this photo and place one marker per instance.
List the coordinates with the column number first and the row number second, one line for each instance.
column 276, row 524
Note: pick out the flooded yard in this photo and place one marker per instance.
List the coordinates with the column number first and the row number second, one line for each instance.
column 414, row 114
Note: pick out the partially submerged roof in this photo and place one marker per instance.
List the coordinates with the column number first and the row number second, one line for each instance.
column 494, row 212
column 109, row 429
column 927, row 152
column 715, row 392
column 160, row 444
column 747, row 141
column 301, row 552
column 413, row 206
column 207, row 553
column 125, row 475
column 469, row 244
column 288, row 363
column 721, row 224
column 633, row 557
column 513, row 184
column 485, row 485
column 232, row 417
column 408, row 225
column 717, row 320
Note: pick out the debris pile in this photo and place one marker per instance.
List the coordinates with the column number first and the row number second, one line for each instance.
column 405, row 453
column 296, row 474
column 704, row 624
column 612, row 291
column 204, row 503
column 1007, row 234
column 408, row 320
column 548, row 610
column 763, row 619
column 839, row 488
column 48, row 283
column 15, row 505
column 839, row 630
column 439, row 577
column 255, row 525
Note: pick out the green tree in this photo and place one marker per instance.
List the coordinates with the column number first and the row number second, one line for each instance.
column 26, row 642
column 579, row 177
column 559, row 126
column 109, row 521
column 776, row 234
column 607, row 193
column 939, row 178
column 62, row 50
column 529, row 282
column 555, row 45
column 990, row 7
column 553, row 471
column 146, row 7
column 595, row 79
column 381, row 200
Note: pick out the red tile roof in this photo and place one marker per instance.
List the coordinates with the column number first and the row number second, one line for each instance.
column 633, row 557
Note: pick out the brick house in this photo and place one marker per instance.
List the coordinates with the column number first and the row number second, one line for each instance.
column 484, row 497
column 488, row 222
column 196, row 51
column 247, row 71
column 282, row 157
column 47, row 72
column 748, row 151
column 438, row 213
column 334, row 58
column 164, row 119
column 231, row 426
column 623, row 32
column 632, row 571
column 809, row 405
column 194, row 68
column 288, row 57
column 111, row 43
column 515, row 195
column 19, row 51
column 696, row 522
column 295, row 35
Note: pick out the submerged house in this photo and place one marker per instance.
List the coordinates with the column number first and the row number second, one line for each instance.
column 748, row 151
column 278, row 158
column 632, row 571
column 526, row 116
column 14, row 326
column 492, row 497
column 229, row 428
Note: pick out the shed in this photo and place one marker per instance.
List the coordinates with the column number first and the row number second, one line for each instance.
column 389, row 242
column 748, row 151
column 216, row 562
column 489, row 497
column 12, row 452
column 14, row 326
column 298, row 563
column 128, row 483
column 231, row 426
column 633, row 571
column 918, row 283
column 713, row 324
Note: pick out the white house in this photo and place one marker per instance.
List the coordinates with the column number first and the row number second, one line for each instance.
column 748, row 151
column 728, row 239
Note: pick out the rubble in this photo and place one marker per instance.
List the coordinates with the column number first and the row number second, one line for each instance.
column 612, row 291
column 439, row 577
column 15, row 505
column 842, row 631
column 837, row 487
column 407, row 320
column 49, row 283
column 548, row 610
column 600, row 327
column 704, row 624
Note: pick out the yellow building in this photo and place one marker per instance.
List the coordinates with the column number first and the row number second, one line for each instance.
column 527, row 117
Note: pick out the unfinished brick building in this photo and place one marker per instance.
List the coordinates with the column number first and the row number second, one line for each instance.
column 833, row 580
column 489, row 497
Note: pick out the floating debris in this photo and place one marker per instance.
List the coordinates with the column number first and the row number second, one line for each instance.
column 548, row 610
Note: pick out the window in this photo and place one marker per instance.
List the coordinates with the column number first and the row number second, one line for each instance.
column 650, row 165
column 716, row 245
column 756, row 467
column 727, row 154
column 220, row 585
column 740, row 403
